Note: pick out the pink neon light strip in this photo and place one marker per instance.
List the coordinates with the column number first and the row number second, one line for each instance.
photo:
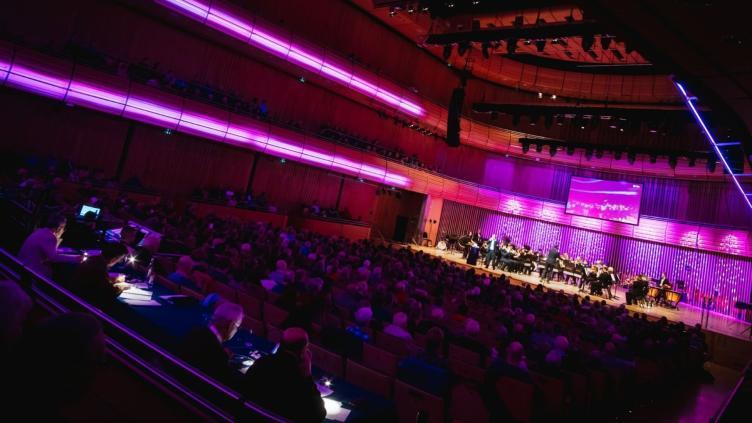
column 251, row 33
column 135, row 105
column 150, row 111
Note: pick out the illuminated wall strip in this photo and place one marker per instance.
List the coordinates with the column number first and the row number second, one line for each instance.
column 142, row 108
column 690, row 103
column 50, row 78
column 251, row 33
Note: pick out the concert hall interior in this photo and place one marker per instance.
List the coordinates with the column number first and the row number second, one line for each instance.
column 423, row 211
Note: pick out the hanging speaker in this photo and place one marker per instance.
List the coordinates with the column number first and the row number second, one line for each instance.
column 453, row 119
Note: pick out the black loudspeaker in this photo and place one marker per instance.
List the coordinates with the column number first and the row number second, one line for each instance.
column 453, row 120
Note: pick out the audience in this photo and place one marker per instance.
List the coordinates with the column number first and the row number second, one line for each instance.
column 282, row 382
column 183, row 273
column 398, row 327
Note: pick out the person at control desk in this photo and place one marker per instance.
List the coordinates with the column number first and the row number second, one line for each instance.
column 282, row 382
column 39, row 251
column 202, row 347
column 92, row 280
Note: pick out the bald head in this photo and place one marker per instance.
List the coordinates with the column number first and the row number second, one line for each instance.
column 227, row 318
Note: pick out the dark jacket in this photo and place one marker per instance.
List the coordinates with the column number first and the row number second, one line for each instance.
column 92, row 282
column 276, row 383
column 202, row 349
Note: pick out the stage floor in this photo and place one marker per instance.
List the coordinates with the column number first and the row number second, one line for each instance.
column 686, row 313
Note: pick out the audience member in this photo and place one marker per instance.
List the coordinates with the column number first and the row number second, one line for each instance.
column 92, row 280
column 39, row 250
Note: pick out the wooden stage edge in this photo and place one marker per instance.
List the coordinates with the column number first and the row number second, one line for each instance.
column 690, row 315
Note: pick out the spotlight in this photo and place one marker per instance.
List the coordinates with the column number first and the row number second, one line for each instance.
column 511, row 46
column 392, row 11
column 167, row 131
column 587, row 42
column 553, row 96
column 301, row 79
column 540, row 45
column 282, row 161
column 131, row 259
column 361, row 180
column 447, row 52
column 540, row 95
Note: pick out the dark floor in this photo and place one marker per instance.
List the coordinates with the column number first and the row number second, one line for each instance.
column 689, row 403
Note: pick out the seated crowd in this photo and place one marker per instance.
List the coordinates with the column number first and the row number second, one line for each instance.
column 342, row 136
column 350, row 296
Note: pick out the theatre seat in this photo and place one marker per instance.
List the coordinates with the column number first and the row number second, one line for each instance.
column 394, row 345
column 552, row 389
column 368, row 379
column 467, row 371
column 517, row 397
column 463, row 354
column 326, row 360
column 172, row 286
column 251, row 305
column 466, row 405
column 414, row 405
column 379, row 360
column 274, row 315
column 255, row 326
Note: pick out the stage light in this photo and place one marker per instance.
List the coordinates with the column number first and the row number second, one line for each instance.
column 301, row 79
column 552, row 150
column 282, row 161
column 131, row 259
column 540, row 95
column 167, row 131
column 553, row 96
column 540, row 45
column 392, row 11
column 539, row 147
column 447, row 52
column 511, row 46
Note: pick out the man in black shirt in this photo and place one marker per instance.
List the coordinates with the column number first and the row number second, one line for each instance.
column 282, row 382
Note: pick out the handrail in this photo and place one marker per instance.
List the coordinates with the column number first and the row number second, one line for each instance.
column 746, row 374
column 230, row 398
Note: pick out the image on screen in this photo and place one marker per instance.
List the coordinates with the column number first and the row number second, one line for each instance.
column 609, row 200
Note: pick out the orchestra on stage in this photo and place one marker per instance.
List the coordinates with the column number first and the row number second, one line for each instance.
column 597, row 278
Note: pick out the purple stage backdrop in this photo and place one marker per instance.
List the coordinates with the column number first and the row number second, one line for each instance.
column 609, row 200
column 703, row 272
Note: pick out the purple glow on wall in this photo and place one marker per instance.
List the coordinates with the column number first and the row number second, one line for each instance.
column 703, row 272
column 151, row 111
column 251, row 33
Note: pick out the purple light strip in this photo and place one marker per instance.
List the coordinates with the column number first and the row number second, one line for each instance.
column 221, row 129
column 710, row 138
column 252, row 34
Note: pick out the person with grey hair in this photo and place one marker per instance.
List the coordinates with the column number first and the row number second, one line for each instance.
column 15, row 305
column 39, row 250
column 203, row 348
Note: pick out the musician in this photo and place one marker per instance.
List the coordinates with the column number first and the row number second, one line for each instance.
column 579, row 269
column 607, row 278
column 596, row 288
column 664, row 285
column 466, row 250
column 491, row 252
column 638, row 290
column 552, row 260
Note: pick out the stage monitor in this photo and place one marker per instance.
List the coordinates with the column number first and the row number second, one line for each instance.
column 608, row 200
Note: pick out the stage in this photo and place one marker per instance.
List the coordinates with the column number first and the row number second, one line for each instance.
column 686, row 313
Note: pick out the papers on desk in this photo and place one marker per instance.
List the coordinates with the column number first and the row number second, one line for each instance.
column 138, row 297
column 335, row 411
